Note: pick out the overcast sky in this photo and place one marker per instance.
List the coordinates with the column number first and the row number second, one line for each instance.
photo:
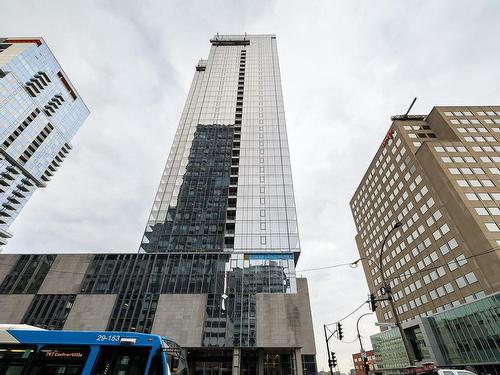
column 346, row 68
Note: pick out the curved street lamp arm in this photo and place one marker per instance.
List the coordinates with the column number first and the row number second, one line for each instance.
column 396, row 226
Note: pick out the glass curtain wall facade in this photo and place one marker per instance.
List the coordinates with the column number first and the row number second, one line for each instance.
column 40, row 112
column 225, row 199
column 230, row 281
column 390, row 354
column 470, row 334
column 235, row 96
column 467, row 336
column 227, row 189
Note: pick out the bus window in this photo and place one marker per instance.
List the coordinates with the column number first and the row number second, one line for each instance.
column 119, row 360
column 13, row 358
column 156, row 367
column 67, row 360
column 176, row 357
column 177, row 365
column 173, row 363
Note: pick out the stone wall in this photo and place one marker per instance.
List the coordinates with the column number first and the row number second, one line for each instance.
column 13, row 307
column 6, row 264
column 66, row 274
column 285, row 320
column 180, row 317
column 90, row 312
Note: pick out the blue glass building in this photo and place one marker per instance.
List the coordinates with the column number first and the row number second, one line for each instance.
column 40, row 112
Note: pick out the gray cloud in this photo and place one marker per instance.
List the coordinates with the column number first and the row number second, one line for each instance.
column 346, row 67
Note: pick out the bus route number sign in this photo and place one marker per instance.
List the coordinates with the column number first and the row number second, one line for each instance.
column 109, row 338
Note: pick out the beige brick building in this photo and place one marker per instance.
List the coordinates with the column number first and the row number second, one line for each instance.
column 439, row 175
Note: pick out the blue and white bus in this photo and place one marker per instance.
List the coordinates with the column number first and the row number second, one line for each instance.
column 39, row 352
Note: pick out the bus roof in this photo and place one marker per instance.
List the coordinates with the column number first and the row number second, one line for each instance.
column 18, row 326
column 24, row 336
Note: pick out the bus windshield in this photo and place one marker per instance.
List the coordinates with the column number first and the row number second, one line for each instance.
column 59, row 360
column 13, row 358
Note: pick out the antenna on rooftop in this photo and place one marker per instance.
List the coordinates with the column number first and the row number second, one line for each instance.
column 407, row 116
column 411, row 105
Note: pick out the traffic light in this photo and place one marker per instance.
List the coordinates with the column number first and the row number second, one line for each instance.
column 334, row 360
column 373, row 302
column 339, row 331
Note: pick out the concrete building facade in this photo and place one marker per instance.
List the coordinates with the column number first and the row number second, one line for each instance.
column 215, row 269
column 40, row 112
column 439, row 176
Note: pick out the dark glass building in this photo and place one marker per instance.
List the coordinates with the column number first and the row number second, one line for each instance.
column 216, row 266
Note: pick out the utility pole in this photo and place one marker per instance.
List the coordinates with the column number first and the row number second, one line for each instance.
column 386, row 289
column 362, row 350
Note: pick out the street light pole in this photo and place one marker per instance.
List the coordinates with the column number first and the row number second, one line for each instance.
column 387, row 290
column 362, row 351
column 355, row 263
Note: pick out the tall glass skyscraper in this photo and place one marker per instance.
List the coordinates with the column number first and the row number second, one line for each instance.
column 40, row 111
column 227, row 184
column 226, row 195
column 216, row 266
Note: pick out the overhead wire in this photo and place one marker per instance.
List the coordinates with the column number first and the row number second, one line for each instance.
column 489, row 251
column 350, row 342
column 456, row 261
column 347, row 316
column 325, row 267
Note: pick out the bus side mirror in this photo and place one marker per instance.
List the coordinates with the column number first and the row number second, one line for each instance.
column 174, row 363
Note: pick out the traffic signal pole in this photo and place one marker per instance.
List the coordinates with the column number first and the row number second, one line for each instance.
column 332, row 360
column 328, row 350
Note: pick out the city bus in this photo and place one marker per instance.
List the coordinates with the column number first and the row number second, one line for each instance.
column 32, row 351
